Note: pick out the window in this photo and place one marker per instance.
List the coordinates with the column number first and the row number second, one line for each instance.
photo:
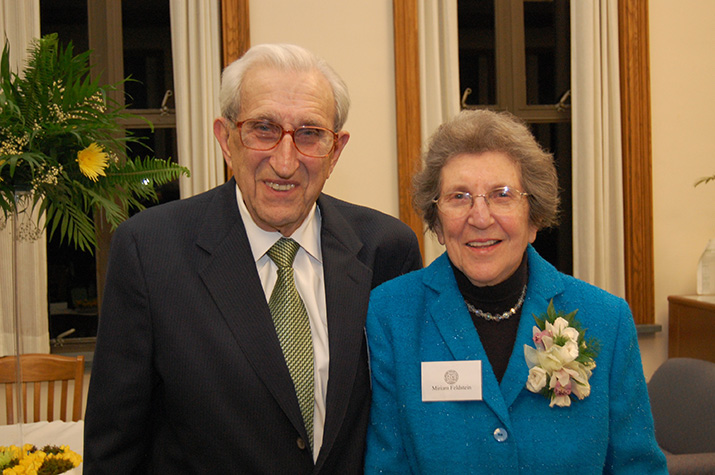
column 128, row 38
column 636, row 134
column 514, row 55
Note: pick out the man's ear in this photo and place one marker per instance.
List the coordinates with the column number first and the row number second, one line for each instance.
column 222, row 132
column 343, row 137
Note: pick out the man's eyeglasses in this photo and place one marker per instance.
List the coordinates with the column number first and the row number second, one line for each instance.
column 264, row 135
column 457, row 204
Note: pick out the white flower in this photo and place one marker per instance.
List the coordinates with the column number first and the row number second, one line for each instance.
column 561, row 386
column 560, row 400
column 531, row 355
column 570, row 333
column 547, row 340
column 537, row 379
column 554, row 360
column 561, row 327
column 560, row 355
column 579, row 375
column 571, row 349
column 556, row 327
column 581, row 390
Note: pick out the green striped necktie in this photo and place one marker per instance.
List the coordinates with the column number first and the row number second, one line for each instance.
column 293, row 328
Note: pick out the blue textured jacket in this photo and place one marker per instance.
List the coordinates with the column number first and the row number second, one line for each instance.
column 421, row 316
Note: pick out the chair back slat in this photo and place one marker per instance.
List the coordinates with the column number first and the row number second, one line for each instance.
column 51, row 400
column 43, row 370
column 36, row 392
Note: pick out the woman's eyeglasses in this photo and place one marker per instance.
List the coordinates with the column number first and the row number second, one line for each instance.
column 457, row 204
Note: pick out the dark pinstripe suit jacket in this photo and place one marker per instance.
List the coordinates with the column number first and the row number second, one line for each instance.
column 188, row 375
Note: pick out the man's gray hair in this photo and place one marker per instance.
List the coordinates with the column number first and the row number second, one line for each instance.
column 284, row 57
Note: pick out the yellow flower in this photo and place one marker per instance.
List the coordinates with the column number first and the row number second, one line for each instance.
column 30, row 460
column 92, row 161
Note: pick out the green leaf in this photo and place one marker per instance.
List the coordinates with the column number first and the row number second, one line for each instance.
column 48, row 113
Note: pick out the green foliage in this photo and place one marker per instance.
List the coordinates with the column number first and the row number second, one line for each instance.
column 552, row 315
column 51, row 449
column 55, row 467
column 51, row 111
column 7, row 459
column 588, row 348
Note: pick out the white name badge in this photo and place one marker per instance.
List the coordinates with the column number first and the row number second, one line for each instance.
column 451, row 381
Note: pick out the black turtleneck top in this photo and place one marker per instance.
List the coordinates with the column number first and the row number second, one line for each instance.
column 497, row 337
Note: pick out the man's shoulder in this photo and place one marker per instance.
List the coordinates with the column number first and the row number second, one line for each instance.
column 373, row 228
column 209, row 213
column 359, row 216
column 185, row 209
column 384, row 243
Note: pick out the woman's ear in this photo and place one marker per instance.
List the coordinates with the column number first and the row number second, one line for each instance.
column 438, row 232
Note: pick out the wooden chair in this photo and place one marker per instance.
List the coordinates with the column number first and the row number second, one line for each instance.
column 39, row 368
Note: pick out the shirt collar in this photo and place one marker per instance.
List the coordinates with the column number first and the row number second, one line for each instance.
column 307, row 235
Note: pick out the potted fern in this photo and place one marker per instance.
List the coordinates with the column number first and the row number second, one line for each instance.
column 61, row 141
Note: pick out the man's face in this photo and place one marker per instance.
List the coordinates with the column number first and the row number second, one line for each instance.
column 280, row 186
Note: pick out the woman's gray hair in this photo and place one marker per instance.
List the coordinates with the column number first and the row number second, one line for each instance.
column 479, row 131
column 284, row 57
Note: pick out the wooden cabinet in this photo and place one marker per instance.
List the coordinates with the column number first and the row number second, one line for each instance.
column 691, row 329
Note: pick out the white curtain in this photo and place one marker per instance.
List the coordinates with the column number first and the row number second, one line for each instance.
column 20, row 23
column 439, row 78
column 597, row 174
column 196, row 47
column 598, row 244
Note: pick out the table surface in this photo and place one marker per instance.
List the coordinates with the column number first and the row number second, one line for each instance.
column 698, row 301
column 46, row 433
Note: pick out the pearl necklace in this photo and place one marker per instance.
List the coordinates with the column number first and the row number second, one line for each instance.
column 502, row 316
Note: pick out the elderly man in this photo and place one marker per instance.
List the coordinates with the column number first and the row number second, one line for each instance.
column 232, row 327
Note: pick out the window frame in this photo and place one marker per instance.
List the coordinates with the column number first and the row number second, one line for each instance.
column 636, row 130
column 104, row 23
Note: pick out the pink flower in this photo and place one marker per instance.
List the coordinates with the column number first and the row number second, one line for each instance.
column 560, row 384
column 539, row 337
column 557, row 367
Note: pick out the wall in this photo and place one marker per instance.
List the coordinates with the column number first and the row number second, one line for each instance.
column 356, row 38
column 683, row 99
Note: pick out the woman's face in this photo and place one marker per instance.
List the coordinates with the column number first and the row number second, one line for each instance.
column 486, row 247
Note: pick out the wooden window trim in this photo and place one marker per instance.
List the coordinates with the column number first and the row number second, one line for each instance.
column 235, row 41
column 636, row 128
column 634, row 63
column 235, row 38
column 407, row 97
column 235, row 32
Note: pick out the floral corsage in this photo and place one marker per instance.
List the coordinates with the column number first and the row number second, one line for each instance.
column 562, row 362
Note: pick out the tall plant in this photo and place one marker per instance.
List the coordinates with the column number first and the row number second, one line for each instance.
column 61, row 138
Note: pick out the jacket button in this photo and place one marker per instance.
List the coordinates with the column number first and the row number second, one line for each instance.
column 301, row 443
column 500, row 434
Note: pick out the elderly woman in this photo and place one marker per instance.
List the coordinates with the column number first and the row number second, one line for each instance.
column 465, row 378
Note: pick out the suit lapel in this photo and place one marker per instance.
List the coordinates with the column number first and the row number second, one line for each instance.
column 347, row 290
column 231, row 278
column 452, row 319
column 544, row 283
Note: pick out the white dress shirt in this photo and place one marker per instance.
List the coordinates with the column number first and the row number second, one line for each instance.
column 309, row 280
